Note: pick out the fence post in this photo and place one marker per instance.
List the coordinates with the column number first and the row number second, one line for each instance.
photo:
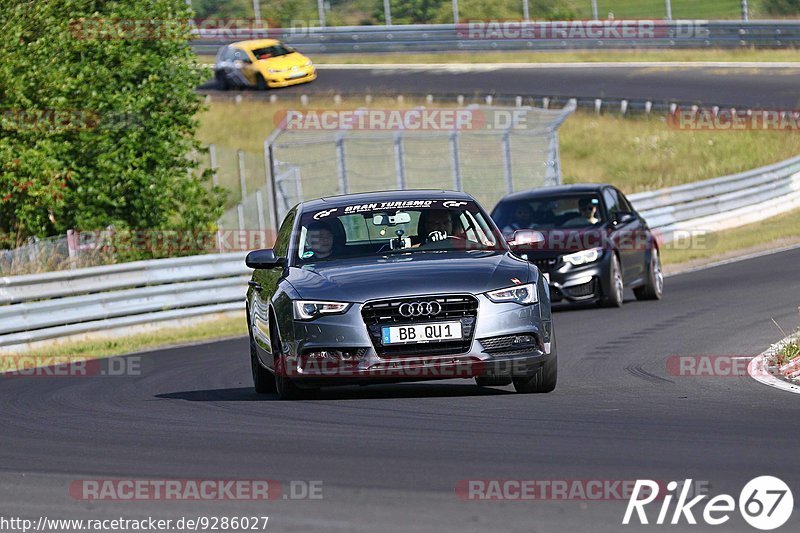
column 455, row 11
column 507, row 162
column 341, row 166
column 321, row 11
column 387, row 12
column 399, row 165
column 242, row 183
column 745, row 16
column 526, row 15
column 552, row 171
column 72, row 249
column 212, row 154
column 262, row 229
column 240, row 214
column 272, row 198
column 669, row 9
column 594, row 9
column 456, row 159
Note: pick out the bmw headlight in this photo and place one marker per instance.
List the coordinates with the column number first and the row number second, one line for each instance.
column 583, row 257
column 308, row 63
column 521, row 294
column 309, row 310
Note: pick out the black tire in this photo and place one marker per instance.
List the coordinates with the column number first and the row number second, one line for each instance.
column 544, row 380
column 222, row 81
column 261, row 83
column 485, row 381
column 615, row 287
column 653, row 288
column 284, row 386
column 263, row 381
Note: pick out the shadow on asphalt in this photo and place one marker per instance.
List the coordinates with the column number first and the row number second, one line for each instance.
column 406, row 390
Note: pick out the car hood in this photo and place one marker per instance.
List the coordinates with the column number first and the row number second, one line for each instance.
column 360, row 280
column 283, row 62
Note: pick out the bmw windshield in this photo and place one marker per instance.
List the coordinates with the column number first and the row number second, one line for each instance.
column 577, row 211
column 382, row 228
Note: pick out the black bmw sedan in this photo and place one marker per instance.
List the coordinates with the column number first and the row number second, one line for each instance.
column 396, row 286
column 588, row 241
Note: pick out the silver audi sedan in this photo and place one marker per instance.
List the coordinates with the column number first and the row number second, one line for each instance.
column 396, row 286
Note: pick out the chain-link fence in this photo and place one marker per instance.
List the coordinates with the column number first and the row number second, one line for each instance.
column 486, row 151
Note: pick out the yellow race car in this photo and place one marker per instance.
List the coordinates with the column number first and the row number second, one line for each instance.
column 261, row 64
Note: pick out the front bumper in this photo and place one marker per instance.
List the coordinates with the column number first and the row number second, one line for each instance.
column 577, row 284
column 291, row 77
column 337, row 349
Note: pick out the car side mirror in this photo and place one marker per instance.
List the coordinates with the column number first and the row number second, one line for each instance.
column 623, row 217
column 264, row 259
column 526, row 237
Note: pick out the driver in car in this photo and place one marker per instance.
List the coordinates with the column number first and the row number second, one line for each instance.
column 319, row 240
column 521, row 219
column 588, row 210
column 434, row 225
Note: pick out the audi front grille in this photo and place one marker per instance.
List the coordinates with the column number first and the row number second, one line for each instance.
column 419, row 310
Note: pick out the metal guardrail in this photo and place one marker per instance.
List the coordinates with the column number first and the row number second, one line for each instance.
column 506, row 35
column 724, row 202
column 58, row 304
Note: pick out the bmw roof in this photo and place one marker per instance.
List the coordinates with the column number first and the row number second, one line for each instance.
column 555, row 191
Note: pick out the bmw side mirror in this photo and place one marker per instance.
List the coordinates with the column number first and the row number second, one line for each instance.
column 624, row 217
column 264, row 259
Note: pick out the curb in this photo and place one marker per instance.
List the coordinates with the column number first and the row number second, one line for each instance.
column 759, row 370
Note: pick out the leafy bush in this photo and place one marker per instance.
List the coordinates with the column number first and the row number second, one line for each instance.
column 781, row 7
column 97, row 124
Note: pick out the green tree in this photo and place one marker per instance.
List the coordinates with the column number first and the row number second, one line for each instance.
column 223, row 9
column 98, row 119
column 782, row 7
column 410, row 11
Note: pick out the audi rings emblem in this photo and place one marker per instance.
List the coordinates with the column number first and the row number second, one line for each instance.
column 411, row 309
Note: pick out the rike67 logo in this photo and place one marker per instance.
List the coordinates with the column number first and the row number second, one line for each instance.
column 766, row 503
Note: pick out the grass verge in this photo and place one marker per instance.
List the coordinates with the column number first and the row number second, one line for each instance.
column 157, row 338
column 772, row 233
column 787, row 352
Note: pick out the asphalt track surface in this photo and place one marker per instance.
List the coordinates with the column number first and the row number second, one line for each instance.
column 751, row 87
column 390, row 456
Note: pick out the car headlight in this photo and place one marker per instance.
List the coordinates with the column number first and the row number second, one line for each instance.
column 276, row 70
column 583, row 257
column 521, row 294
column 309, row 310
column 308, row 63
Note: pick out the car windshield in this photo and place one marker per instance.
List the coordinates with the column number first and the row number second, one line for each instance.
column 382, row 228
column 554, row 212
column 269, row 52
